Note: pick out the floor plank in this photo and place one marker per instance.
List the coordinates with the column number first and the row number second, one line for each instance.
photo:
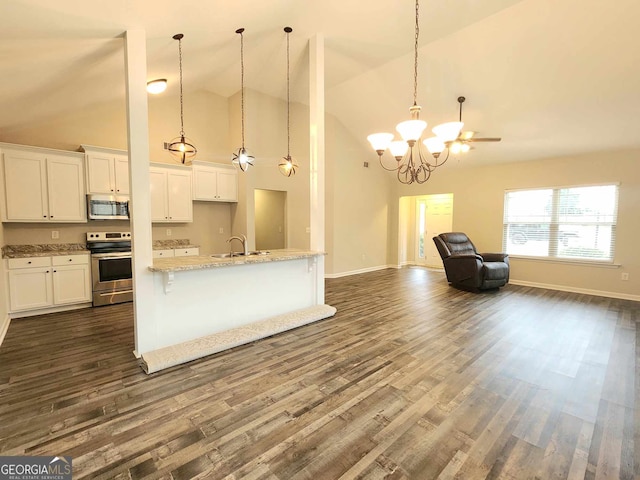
column 412, row 379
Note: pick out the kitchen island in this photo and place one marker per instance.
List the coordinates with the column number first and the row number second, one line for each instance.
column 205, row 304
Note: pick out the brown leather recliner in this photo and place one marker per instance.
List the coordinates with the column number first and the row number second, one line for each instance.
column 468, row 269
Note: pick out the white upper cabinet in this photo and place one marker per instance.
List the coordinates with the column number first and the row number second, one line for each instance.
column 214, row 182
column 42, row 185
column 170, row 191
column 107, row 170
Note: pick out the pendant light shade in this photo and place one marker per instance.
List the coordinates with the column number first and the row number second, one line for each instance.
column 288, row 165
column 241, row 157
column 181, row 148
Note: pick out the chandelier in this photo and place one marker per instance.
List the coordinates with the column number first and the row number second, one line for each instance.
column 412, row 162
column 288, row 165
column 241, row 157
column 180, row 147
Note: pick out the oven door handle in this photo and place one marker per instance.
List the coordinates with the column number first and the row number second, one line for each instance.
column 111, row 256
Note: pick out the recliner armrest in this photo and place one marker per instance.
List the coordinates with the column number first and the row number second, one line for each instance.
column 462, row 267
column 495, row 257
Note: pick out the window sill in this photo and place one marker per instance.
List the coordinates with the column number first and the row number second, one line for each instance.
column 581, row 262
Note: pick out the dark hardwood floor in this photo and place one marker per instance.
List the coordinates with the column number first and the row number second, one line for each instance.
column 412, row 379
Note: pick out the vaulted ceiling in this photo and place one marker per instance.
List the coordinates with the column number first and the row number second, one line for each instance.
column 551, row 77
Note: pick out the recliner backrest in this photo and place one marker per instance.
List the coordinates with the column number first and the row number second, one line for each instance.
column 457, row 243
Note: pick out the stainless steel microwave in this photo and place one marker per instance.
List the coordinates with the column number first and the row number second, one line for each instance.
column 108, row 207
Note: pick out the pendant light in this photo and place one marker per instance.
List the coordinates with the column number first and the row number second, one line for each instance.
column 288, row 165
column 241, row 158
column 180, row 147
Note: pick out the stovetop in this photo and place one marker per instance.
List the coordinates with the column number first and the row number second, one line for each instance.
column 109, row 242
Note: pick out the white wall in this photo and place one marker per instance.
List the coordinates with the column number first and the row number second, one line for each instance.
column 357, row 204
column 266, row 139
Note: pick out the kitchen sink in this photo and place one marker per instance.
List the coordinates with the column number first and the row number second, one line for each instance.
column 240, row 254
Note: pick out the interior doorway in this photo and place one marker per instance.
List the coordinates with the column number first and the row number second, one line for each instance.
column 420, row 219
column 434, row 215
column 270, row 219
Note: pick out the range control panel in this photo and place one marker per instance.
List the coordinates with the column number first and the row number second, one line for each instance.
column 108, row 236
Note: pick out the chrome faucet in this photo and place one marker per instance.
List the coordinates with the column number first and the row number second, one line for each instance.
column 243, row 240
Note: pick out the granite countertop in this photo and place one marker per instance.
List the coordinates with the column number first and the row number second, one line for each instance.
column 43, row 250
column 176, row 264
column 172, row 244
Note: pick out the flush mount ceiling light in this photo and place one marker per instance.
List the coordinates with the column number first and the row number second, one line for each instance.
column 288, row 165
column 241, row 158
column 157, row 86
column 412, row 164
column 180, row 147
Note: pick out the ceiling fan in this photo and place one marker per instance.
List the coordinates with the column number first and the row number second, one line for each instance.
column 461, row 144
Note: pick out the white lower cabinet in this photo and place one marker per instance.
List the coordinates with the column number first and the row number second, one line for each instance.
column 71, row 279
column 43, row 282
column 30, row 288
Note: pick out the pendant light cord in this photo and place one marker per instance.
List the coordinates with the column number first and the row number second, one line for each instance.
column 288, row 103
column 181, row 109
column 242, row 81
column 415, row 63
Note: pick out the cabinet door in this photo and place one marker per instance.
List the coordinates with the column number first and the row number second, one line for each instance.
column 66, row 189
column 179, row 196
column 204, row 183
column 71, row 284
column 100, row 173
column 227, row 186
column 25, row 179
column 158, row 195
column 121, row 166
column 30, row 288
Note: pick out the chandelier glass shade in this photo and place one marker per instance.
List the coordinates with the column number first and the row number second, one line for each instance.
column 288, row 165
column 413, row 164
column 241, row 157
column 181, row 148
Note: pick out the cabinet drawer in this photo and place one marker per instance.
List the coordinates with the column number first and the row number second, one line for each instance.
column 29, row 262
column 163, row 253
column 187, row 252
column 70, row 260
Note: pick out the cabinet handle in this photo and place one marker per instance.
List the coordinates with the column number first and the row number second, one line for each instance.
column 53, row 271
column 44, row 216
column 71, row 259
column 29, row 263
column 47, row 271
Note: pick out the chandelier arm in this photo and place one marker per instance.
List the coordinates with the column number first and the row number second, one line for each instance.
column 389, row 169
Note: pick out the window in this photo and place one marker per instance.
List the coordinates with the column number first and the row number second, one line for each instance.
column 567, row 222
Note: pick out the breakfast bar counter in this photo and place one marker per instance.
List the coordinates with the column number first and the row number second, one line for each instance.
column 199, row 296
column 175, row 264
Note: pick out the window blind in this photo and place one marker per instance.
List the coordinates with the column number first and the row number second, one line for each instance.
column 567, row 222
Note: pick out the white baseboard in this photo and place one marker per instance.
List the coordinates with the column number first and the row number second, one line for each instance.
column 42, row 311
column 356, row 272
column 4, row 326
column 586, row 291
